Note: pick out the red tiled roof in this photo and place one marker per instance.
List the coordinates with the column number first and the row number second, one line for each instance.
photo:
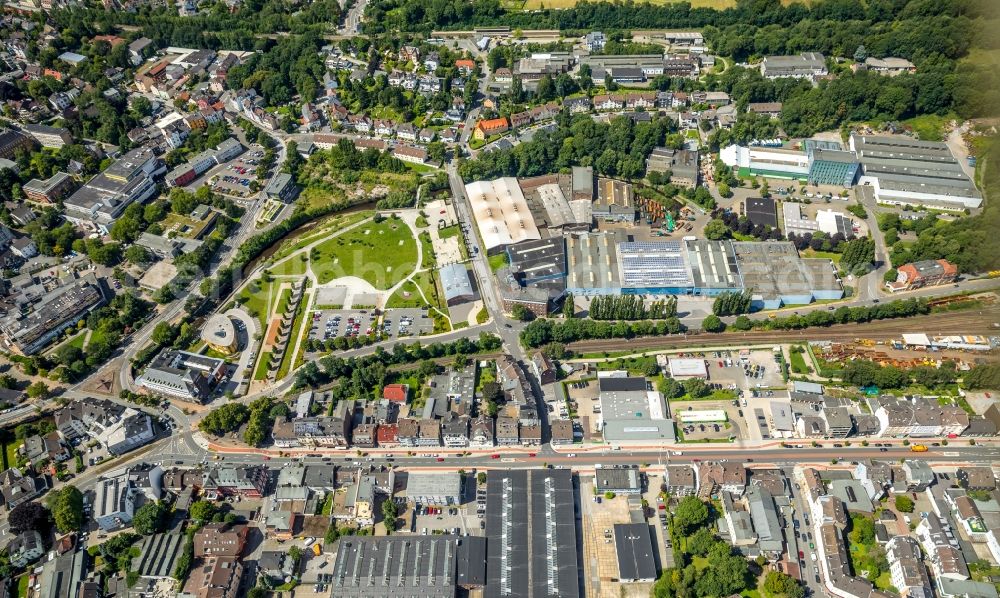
column 396, row 393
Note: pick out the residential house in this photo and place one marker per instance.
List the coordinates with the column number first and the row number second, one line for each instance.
column 25, row 548
column 487, row 128
column 941, row 547
column 482, row 432
column 220, row 540
column 17, row 488
column 507, row 431
column 45, row 448
column 235, row 480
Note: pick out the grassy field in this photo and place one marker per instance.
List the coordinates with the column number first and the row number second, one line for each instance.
column 381, row 253
column 827, row 255
column 449, row 231
column 261, row 372
column 294, row 266
column 10, row 454
column 930, row 127
column 426, row 282
column 497, row 261
column 323, row 230
column 22, row 586
column 257, row 299
column 799, row 365
column 76, row 341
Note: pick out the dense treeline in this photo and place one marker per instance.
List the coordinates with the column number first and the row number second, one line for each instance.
column 631, row 307
column 900, row 308
column 424, row 15
column 862, row 373
column 292, row 65
column 363, row 377
column 215, row 28
column 732, row 303
column 542, row 332
column 617, row 149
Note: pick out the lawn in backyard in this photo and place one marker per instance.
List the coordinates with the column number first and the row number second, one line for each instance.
column 10, row 453
column 381, row 253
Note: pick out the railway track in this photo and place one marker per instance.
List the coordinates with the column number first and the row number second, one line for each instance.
column 972, row 322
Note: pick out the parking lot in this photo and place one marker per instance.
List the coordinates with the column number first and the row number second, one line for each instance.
column 407, row 322
column 393, row 323
column 235, row 177
column 436, row 519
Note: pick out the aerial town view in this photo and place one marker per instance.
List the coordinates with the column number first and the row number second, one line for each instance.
column 499, row 299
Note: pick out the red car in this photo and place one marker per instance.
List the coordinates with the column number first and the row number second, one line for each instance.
column 532, row 454
column 440, row 459
column 494, row 456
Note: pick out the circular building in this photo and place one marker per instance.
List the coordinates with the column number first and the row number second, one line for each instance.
column 220, row 334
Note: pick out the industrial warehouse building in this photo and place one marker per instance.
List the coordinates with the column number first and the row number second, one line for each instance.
column 906, row 171
column 426, row 566
column 761, row 211
column 778, row 276
column 832, row 166
column 531, row 534
column 501, row 213
column 604, row 263
column 456, row 284
column 631, row 412
column 818, row 162
column 771, row 162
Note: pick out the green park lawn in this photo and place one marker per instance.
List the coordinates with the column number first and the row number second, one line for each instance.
column 259, row 299
column 293, row 266
column 381, row 253
column 324, row 229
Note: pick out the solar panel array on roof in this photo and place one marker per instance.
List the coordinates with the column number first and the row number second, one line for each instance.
column 653, row 264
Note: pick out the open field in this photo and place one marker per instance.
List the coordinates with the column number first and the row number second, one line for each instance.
column 325, row 228
column 381, row 253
